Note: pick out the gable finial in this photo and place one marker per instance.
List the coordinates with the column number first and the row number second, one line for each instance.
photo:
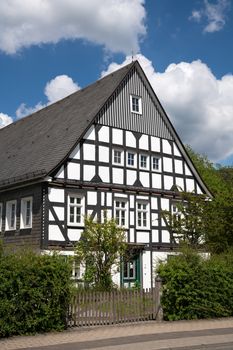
column 132, row 55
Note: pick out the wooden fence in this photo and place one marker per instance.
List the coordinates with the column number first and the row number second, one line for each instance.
column 90, row 308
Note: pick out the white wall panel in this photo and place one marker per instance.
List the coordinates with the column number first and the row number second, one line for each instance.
column 117, row 136
column 121, row 195
column 154, row 203
column 74, row 234
column 187, row 170
column 156, row 181
column 132, row 201
column 104, row 173
column 102, row 198
column 144, row 178
column 155, row 144
column 91, row 198
column 76, row 153
column 104, row 134
column 143, row 142
column 154, row 219
column 166, row 147
column 176, row 151
column 131, row 176
column 60, row 214
column 165, row 236
column 199, row 191
column 143, row 237
column 73, row 171
column 189, row 185
column 88, row 172
column 88, row 152
column 131, row 217
column 55, row 233
column 130, row 139
column 165, row 204
column 155, row 236
column 167, row 165
column 131, row 235
column 56, row 195
column 146, row 268
column 60, row 173
column 168, row 182
column 178, row 166
column 180, row 182
column 109, row 199
column 90, row 134
column 117, row 175
column 103, row 154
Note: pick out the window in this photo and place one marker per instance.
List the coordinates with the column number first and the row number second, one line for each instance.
column 11, row 215
column 156, row 163
column 131, row 159
column 143, row 161
column 176, row 213
column 121, row 212
column 26, row 213
column 75, row 210
column 142, row 215
column 136, row 104
column 0, row 216
column 129, row 269
column 117, row 156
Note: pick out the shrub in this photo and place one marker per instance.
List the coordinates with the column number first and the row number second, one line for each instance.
column 195, row 288
column 35, row 292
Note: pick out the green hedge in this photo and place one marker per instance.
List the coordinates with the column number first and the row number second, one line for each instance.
column 35, row 293
column 195, row 288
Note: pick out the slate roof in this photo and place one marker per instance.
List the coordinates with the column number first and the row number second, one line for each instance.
column 33, row 146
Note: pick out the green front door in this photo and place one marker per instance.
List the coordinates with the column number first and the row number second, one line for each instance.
column 131, row 272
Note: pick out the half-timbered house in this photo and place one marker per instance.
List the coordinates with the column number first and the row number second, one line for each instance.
column 108, row 147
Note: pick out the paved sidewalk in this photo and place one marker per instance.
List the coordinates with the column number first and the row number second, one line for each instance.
column 98, row 333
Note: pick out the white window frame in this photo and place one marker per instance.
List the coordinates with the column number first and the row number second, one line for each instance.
column 23, row 213
column 8, row 226
column 143, row 211
column 140, row 160
column 139, row 99
column 121, row 209
column 76, row 205
column 159, row 163
column 128, row 265
column 135, row 160
column 121, row 156
column 1, row 212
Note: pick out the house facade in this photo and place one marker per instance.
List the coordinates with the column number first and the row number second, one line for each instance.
column 108, row 149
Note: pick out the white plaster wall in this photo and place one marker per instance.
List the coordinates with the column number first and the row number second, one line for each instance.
column 88, row 152
column 146, row 269
column 178, row 166
column 165, row 204
column 155, row 236
column 60, row 173
column 121, row 195
column 91, row 198
column 117, row 175
column 131, row 201
column 130, row 139
column 189, row 185
column 143, row 142
column 104, row 173
column 143, row 237
column 73, row 171
column 131, row 176
column 117, row 136
column 103, row 154
column 131, row 235
column 109, row 199
column 76, row 153
column 176, row 151
column 55, row 233
column 104, row 134
column 187, row 170
column 102, row 198
column 155, row 144
column 167, row 165
column 165, row 236
column 199, row 191
column 166, row 147
column 154, row 219
column 144, row 178
column 180, row 182
column 168, row 182
column 88, row 172
column 90, row 134
column 154, row 203
column 131, row 217
column 56, row 195
column 156, row 181
column 74, row 234
column 60, row 214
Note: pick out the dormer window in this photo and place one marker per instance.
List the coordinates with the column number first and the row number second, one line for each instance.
column 136, row 104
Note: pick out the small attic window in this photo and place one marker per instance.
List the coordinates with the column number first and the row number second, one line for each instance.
column 136, row 104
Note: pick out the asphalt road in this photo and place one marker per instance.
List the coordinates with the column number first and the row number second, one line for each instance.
column 216, row 339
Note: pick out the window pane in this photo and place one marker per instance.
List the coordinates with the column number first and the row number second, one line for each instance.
column 72, row 199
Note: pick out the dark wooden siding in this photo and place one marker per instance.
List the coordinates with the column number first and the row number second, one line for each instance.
column 27, row 237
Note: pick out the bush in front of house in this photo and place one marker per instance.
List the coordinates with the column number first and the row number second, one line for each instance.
column 195, row 288
column 35, row 292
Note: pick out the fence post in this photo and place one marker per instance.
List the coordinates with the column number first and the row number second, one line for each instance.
column 158, row 294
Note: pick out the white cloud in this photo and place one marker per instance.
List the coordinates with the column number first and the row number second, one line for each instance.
column 5, row 120
column 118, row 25
column 56, row 89
column 213, row 14
column 199, row 105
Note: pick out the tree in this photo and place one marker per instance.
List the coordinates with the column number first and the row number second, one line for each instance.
column 100, row 248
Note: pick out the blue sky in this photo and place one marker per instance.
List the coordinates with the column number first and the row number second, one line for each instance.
column 50, row 49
